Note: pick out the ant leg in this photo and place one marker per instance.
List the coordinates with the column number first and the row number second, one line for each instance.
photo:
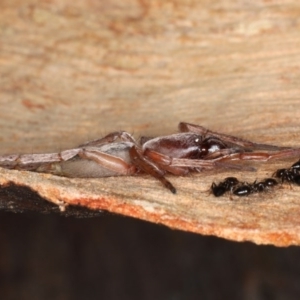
column 187, row 127
column 144, row 164
column 110, row 138
column 113, row 163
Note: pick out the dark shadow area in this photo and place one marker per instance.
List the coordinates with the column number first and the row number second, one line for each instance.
column 17, row 198
column 111, row 257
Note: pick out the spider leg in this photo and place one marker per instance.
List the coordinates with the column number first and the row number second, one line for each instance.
column 201, row 164
column 110, row 138
column 181, row 166
column 187, row 127
column 222, row 153
column 146, row 165
column 32, row 162
column 113, row 163
column 164, row 162
column 264, row 156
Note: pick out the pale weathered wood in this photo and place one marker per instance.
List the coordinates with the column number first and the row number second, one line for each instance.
column 74, row 71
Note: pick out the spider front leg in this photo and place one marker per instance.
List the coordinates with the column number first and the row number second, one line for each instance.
column 263, row 156
column 157, row 164
column 200, row 165
column 187, row 127
column 182, row 166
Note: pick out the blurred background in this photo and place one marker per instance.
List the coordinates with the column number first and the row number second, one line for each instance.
column 113, row 257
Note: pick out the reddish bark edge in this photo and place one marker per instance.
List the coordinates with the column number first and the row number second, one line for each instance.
column 277, row 238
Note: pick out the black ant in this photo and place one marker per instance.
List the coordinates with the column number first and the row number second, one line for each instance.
column 284, row 175
column 291, row 175
column 256, row 187
column 264, row 185
column 232, row 184
column 225, row 186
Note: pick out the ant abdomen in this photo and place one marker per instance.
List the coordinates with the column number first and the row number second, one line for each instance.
column 243, row 190
column 270, row 182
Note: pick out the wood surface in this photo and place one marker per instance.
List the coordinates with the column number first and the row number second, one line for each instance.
column 74, row 71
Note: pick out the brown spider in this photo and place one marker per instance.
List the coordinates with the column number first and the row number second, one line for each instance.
column 195, row 148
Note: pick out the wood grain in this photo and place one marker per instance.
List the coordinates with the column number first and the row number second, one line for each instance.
column 74, row 71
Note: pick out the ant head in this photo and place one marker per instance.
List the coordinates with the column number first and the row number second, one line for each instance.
column 218, row 189
column 280, row 173
column 297, row 179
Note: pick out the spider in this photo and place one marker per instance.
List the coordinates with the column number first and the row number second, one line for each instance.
column 193, row 149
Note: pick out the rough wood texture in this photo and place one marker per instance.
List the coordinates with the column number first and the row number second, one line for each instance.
column 73, row 71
